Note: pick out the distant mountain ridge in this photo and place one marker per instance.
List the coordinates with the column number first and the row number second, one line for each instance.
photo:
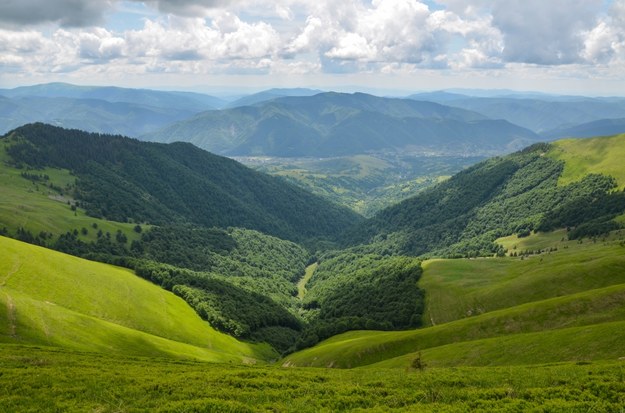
column 336, row 124
column 539, row 114
column 602, row 127
column 155, row 98
column 91, row 115
column 270, row 94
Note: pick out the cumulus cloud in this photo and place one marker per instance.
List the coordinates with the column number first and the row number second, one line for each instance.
column 71, row 13
column 83, row 13
column 544, row 32
column 605, row 43
column 302, row 36
column 187, row 7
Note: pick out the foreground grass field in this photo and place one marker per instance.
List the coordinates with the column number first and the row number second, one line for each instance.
column 51, row 380
column 56, row 299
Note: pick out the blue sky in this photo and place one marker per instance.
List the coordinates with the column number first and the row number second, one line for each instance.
column 560, row 46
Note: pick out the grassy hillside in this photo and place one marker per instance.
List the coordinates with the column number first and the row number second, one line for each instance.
column 41, row 205
column 38, row 379
column 461, row 288
column 597, row 311
column 594, row 155
column 580, row 284
column 50, row 298
column 580, row 344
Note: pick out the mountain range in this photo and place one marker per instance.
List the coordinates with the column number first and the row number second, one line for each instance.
column 335, row 124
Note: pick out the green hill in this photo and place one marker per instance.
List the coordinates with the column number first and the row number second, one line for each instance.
column 53, row 299
column 502, row 298
column 336, row 124
column 602, row 155
column 125, row 180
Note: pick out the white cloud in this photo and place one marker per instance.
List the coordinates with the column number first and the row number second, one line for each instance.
column 544, row 32
column 393, row 37
column 605, row 43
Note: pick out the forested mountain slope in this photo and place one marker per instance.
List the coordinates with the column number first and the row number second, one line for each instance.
column 517, row 193
column 123, row 179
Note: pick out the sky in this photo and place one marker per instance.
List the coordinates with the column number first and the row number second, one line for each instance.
column 395, row 46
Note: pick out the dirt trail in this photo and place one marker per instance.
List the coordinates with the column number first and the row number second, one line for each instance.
column 12, row 317
column 17, row 264
column 11, row 312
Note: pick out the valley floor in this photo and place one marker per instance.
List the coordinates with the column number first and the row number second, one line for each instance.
column 37, row 379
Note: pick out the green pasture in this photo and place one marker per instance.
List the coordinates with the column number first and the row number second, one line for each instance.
column 56, row 299
column 593, row 155
column 36, row 379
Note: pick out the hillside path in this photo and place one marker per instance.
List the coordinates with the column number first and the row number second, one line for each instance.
column 17, row 264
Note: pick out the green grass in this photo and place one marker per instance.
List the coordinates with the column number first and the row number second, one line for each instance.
column 301, row 285
column 537, row 241
column 595, row 155
column 55, row 299
column 460, row 288
column 37, row 207
column 589, row 308
column 580, row 344
column 48, row 380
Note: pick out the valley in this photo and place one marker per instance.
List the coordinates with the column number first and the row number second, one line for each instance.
column 440, row 276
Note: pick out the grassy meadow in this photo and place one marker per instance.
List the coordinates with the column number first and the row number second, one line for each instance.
column 54, row 299
column 594, row 155
column 39, row 379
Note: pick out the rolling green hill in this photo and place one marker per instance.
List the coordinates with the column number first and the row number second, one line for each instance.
column 53, row 299
column 574, row 291
column 335, row 124
column 125, row 180
column 602, row 155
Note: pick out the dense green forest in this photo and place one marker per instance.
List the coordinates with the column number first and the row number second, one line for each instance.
column 122, row 179
column 353, row 291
